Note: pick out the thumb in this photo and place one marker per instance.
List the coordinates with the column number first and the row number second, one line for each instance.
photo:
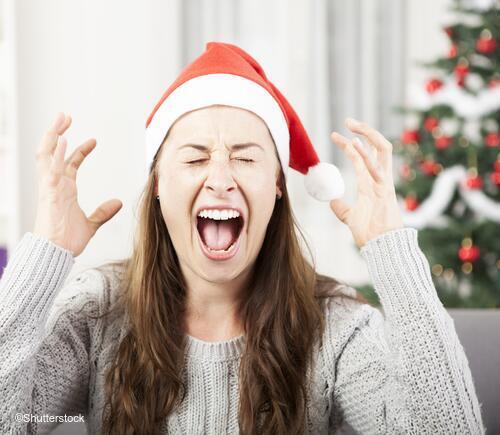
column 340, row 208
column 105, row 212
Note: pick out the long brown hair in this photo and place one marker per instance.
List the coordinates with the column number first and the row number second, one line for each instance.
column 282, row 313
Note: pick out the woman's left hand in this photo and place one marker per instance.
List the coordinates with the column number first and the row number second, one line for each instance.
column 376, row 210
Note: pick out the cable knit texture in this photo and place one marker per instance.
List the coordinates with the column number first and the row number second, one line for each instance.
column 400, row 370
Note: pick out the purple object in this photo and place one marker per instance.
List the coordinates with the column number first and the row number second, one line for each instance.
column 3, row 259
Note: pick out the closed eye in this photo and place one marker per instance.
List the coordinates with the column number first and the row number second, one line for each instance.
column 202, row 160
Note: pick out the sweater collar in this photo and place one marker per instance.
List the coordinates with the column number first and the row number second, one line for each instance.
column 215, row 350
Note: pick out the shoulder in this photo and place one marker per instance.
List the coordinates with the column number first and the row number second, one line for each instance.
column 345, row 317
column 346, row 310
column 89, row 293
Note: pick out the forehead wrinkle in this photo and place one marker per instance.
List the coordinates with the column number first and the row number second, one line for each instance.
column 215, row 122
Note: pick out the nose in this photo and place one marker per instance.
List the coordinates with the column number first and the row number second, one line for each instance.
column 219, row 180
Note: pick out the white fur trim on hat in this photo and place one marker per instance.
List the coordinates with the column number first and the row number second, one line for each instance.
column 224, row 89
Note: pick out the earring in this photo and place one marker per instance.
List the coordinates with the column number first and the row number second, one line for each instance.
column 157, row 196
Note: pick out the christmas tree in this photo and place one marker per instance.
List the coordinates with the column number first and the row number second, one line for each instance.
column 449, row 176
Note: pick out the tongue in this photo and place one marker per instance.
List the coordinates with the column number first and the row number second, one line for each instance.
column 218, row 234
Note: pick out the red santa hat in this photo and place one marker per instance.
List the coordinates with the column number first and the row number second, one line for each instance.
column 225, row 74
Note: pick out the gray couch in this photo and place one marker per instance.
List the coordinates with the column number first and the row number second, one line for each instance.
column 479, row 332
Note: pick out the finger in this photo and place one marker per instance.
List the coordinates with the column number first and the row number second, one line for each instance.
column 104, row 213
column 57, row 164
column 346, row 146
column 58, row 128
column 74, row 161
column 49, row 141
column 376, row 139
column 368, row 160
column 370, row 150
column 341, row 209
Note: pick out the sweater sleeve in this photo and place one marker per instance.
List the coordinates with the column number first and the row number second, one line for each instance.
column 404, row 371
column 44, row 338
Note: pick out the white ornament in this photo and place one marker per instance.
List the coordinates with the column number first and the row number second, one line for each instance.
column 449, row 126
column 474, row 82
column 471, row 130
column 480, row 60
column 464, row 288
column 490, row 125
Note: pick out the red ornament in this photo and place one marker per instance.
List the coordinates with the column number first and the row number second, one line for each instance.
column 493, row 83
column 429, row 167
column 433, row 85
column 410, row 136
column 492, row 139
column 469, row 253
column 411, row 202
column 461, row 71
column 453, row 51
column 442, row 142
column 486, row 45
column 495, row 178
column 405, row 170
column 431, row 123
column 496, row 166
column 473, row 182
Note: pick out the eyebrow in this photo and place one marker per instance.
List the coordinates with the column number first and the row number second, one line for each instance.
column 238, row 146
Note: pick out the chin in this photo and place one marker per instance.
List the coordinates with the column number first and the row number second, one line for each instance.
column 219, row 275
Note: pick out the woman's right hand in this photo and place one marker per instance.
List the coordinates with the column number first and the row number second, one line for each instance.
column 59, row 216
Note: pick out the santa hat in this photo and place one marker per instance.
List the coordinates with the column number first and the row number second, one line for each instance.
column 225, row 74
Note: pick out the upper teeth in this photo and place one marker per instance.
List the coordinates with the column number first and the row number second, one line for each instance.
column 219, row 214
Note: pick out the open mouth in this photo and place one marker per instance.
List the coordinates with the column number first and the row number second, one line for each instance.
column 219, row 234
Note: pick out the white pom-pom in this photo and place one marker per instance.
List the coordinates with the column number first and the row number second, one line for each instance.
column 324, row 182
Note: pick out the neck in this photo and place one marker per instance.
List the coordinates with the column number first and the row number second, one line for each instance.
column 212, row 307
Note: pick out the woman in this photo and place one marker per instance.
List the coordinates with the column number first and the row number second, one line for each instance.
column 216, row 323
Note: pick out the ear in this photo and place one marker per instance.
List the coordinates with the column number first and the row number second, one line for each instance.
column 155, row 190
column 279, row 191
column 279, row 188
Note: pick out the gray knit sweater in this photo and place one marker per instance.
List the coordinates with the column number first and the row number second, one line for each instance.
column 403, row 371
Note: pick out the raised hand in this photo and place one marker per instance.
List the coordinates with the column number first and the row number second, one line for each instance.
column 59, row 216
column 376, row 210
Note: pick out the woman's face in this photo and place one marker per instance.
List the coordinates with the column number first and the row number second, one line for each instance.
column 218, row 158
